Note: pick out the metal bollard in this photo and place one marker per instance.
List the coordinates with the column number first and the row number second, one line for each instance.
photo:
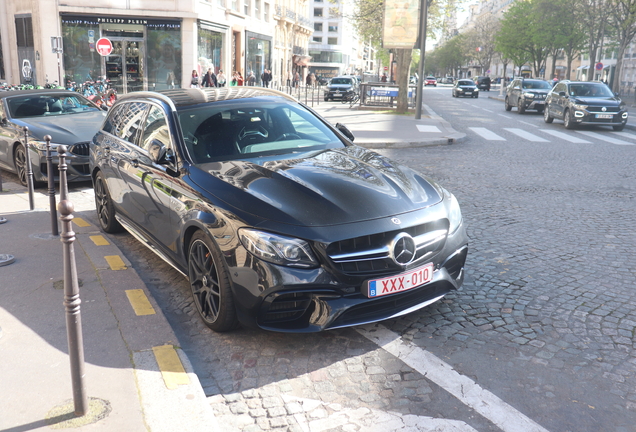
column 71, row 293
column 49, row 167
column 29, row 168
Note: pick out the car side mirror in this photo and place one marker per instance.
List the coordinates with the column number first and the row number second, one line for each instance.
column 562, row 94
column 345, row 131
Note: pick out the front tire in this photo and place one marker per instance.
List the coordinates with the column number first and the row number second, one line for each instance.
column 520, row 107
column 567, row 120
column 210, row 284
column 546, row 115
column 105, row 207
column 19, row 162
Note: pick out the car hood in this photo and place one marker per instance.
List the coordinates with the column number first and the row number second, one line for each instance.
column 599, row 101
column 339, row 86
column 320, row 188
column 64, row 129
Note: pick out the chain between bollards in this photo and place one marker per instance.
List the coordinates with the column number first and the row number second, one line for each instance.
column 49, row 169
column 28, row 168
column 71, row 293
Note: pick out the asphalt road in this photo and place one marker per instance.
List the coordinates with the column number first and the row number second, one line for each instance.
column 540, row 338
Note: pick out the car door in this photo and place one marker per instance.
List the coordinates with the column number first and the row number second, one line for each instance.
column 515, row 91
column 9, row 134
column 558, row 100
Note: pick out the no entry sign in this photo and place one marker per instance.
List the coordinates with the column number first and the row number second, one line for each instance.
column 104, row 46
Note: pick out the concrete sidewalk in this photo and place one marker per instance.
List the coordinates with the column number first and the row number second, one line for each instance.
column 127, row 388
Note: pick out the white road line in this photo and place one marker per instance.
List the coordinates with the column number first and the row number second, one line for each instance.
column 487, row 110
column 485, row 133
column 625, row 135
column 526, row 135
column 565, row 136
column 428, row 128
column 463, row 388
column 506, row 116
column 526, row 123
column 603, row 137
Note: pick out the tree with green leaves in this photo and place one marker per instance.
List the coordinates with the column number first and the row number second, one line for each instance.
column 480, row 40
column 515, row 29
column 623, row 23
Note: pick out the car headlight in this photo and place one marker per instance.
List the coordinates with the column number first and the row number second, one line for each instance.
column 454, row 213
column 41, row 145
column 580, row 107
column 529, row 95
column 477, row 89
column 277, row 249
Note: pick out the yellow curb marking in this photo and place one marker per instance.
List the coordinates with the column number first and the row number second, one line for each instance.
column 170, row 366
column 140, row 303
column 81, row 222
column 115, row 262
column 99, row 240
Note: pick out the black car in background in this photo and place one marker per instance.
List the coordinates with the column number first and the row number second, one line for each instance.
column 278, row 220
column 483, row 82
column 465, row 87
column 585, row 103
column 527, row 94
column 338, row 86
column 68, row 117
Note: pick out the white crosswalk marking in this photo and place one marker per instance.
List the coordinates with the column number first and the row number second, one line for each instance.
column 486, row 134
column 526, row 135
column 604, row 137
column 566, row 137
column 625, row 135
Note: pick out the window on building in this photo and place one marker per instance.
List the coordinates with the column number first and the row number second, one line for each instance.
column 317, row 12
column 332, row 41
column 235, row 5
column 246, row 7
column 220, row 3
column 266, row 12
column 24, row 32
column 333, row 27
column 257, row 9
column 317, row 26
column 334, row 12
column 317, row 39
column 1, row 61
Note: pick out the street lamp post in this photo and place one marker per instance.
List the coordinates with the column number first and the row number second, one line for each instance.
column 420, row 69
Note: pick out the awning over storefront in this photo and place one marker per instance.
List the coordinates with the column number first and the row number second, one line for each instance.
column 583, row 67
column 301, row 60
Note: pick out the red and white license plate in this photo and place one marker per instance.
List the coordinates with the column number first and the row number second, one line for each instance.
column 402, row 282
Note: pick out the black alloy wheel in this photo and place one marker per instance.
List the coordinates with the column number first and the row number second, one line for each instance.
column 19, row 161
column 104, row 206
column 546, row 115
column 210, row 285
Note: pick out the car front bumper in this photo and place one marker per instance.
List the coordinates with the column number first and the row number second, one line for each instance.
column 77, row 168
column 592, row 118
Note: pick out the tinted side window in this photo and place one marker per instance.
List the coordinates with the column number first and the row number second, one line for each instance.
column 560, row 88
column 155, row 128
column 131, row 125
column 115, row 118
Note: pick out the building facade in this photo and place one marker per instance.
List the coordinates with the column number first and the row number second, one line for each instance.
column 154, row 45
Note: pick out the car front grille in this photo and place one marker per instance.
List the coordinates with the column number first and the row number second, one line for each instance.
column 79, row 149
column 599, row 109
column 372, row 254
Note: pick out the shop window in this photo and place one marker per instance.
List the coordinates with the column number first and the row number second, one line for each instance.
column 317, row 12
column 210, row 48
column 333, row 27
column 332, row 41
column 318, row 26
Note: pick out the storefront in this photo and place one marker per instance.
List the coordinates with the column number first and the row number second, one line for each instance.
column 210, row 47
column 146, row 53
column 258, row 54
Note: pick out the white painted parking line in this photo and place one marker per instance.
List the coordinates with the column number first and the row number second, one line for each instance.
column 604, row 137
column 428, row 128
column 507, row 418
column 486, row 134
column 625, row 135
column 526, row 135
column 565, row 136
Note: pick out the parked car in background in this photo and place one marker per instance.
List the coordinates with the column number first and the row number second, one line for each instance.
column 277, row 219
column 447, row 80
column 526, row 94
column 339, row 86
column 585, row 102
column 483, row 82
column 66, row 116
column 430, row 80
column 465, row 87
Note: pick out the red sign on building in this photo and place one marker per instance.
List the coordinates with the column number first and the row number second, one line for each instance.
column 104, row 46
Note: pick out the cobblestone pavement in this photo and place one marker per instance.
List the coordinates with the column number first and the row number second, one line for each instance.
column 545, row 319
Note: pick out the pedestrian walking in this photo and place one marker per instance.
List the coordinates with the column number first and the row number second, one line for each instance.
column 194, row 80
column 209, row 79
column 220, row 78
column 251, row 79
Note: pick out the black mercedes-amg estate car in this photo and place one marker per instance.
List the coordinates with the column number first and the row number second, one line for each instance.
column 276, row 218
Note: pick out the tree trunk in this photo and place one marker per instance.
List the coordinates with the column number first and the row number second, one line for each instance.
column 403, row 58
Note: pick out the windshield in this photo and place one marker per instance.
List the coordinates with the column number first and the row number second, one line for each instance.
column 341, row 81
column 48, row 105
column 465, row 83
column 247, row 128
column 590, row 90
column 544, row 85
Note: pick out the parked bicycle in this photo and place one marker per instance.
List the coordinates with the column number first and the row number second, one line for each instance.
column 351, row 97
